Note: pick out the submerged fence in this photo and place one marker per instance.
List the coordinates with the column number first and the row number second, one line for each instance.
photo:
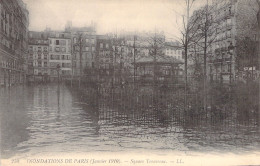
column 163, row 104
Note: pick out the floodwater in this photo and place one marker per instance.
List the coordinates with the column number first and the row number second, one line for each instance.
column 49, row 118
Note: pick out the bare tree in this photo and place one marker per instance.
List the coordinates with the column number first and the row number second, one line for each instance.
column 156, row 42
column 77, row 47
column 258, row 21
column 205, row 31
column 187, row 34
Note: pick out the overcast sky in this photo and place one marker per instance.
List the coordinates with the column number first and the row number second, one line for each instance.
column 109, row 15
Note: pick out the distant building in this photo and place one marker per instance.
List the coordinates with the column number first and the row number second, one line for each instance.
column 83, row 48
column 230, row 23
column 60, row 55
column 38, row 57
column 104, row 59
column 174, row 49
column 14, row 22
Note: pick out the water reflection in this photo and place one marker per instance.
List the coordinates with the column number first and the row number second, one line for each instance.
column 51, row 118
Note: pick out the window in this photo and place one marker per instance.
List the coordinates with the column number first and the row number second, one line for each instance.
column 166, row 72
column 63, row 49
column 229, row 21
column 45, row 56
column 45, row 64
column 74, row 40
column 101, row 45
column 93, row 41
column 57, row 42
column 50, row 48
column 228, row 34
column 93, row 48
column 57, row 49
column 87, row 49
column 50, row 41
column 40, row 63
column 106, row 45
column 63, row 42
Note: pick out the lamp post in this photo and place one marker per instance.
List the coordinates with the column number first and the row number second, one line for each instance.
column 58, row 71
column 221, row 72
column 9, row 78
column 135, row 37
column 71, row 77
column 230, row 51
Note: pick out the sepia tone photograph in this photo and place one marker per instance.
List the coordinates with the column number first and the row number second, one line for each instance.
column 129, row 82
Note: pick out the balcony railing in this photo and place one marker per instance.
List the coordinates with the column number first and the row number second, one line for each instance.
column 227, row 59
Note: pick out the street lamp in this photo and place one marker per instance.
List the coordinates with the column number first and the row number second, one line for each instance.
column 230, row 51
column 9, row 77
column 58, row 71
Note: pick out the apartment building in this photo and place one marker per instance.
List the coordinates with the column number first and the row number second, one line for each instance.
column 14, row 22
column 104, row 55
column 38, row 57
column 60, row 55
column 229, row 22
column 83, row 48
column 173, row 49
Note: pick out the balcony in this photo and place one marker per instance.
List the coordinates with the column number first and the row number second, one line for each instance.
column 218, row 61
column 227, row 59
column 9, row 50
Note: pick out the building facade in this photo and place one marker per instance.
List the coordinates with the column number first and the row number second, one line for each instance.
column 83, row 47
column 229, row 23
column 38, row 57
column 14, row 22
column 60, row 55
column 173, row 49
column 105, row 59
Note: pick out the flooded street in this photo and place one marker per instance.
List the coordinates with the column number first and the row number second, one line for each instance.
column 50, row 118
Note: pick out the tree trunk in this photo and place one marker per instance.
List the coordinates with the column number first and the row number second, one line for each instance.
column 205, row 75
column 205, row 62
column 186, row 77
column 258, row 49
